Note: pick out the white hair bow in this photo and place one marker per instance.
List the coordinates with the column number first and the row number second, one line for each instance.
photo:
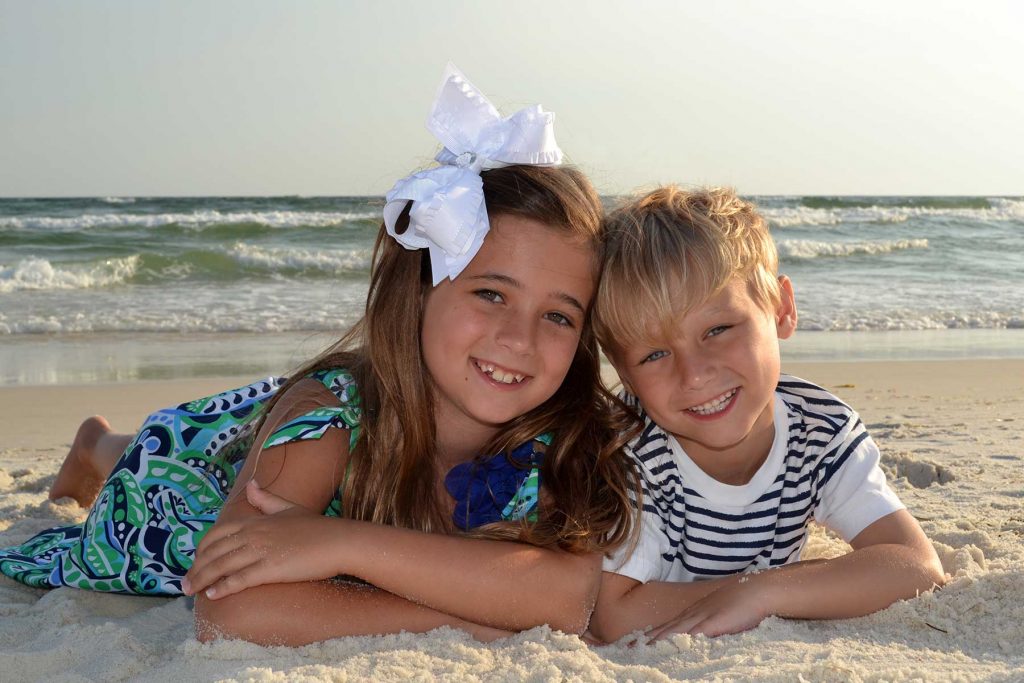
column 448, row 215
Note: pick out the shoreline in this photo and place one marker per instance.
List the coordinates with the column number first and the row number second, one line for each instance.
column 87, row 359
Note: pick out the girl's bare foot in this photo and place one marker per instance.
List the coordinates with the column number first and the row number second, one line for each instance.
column 89, row 462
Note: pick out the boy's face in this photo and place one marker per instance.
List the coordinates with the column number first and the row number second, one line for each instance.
column 712, row 384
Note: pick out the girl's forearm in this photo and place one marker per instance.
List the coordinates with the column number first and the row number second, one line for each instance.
column 302, row 613
column 502, row 584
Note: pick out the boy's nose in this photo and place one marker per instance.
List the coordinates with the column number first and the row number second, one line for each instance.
column 694, row 371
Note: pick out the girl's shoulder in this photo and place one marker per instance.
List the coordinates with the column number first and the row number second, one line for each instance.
column 321, row 415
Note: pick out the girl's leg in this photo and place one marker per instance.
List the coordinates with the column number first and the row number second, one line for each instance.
column 94, row 452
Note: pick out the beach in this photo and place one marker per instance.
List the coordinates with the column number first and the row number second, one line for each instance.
column 950, row 433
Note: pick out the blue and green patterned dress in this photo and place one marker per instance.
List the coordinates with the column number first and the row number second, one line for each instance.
column 168, row 487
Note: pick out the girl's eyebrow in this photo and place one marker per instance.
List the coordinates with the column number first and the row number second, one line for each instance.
column 512, row 282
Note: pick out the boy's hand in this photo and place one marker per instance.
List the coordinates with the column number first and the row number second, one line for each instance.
column 287, row 544
column 736, row 607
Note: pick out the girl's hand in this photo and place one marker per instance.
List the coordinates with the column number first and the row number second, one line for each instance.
column 287, row 544
column 733, row 608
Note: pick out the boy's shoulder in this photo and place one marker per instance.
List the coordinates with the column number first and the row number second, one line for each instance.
column 815, row 408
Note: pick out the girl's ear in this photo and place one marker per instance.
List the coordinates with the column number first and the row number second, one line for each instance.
column 785, row 311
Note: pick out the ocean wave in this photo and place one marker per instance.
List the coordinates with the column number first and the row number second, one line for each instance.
column 198, row 322
column 118, row 200
column 887, row 321
column 283, row 259
column 999, row 210
column 896, row 201
column 312, row 319
column 807, row 249
column 196, row 220
column 39, row 274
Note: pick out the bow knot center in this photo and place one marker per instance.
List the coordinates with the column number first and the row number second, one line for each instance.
column 465, row 160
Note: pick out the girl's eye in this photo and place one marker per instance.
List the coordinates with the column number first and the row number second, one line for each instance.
column 715, row 331
column 654, row 356
column 489, row 295
column 560, row 319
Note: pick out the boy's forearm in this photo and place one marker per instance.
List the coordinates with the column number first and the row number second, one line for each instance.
column 302, row 613
column 852, row 585
column 648, row 605
column 502, row 584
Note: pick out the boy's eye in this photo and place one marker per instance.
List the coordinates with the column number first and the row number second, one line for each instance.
column 715, row 331
column 489, row 295
column 656, row 355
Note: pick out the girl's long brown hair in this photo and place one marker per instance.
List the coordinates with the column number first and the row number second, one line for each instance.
column 586, row 478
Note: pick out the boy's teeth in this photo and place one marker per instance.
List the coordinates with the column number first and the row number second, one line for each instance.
column 714, row 405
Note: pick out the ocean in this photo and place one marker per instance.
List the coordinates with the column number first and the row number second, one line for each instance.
column 122, row 288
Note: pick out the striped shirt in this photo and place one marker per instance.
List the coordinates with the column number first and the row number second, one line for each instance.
column 822, row 465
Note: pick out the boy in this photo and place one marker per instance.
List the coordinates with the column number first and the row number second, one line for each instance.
column 734, row 459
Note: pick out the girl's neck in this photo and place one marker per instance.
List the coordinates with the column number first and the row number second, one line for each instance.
column 458, row 438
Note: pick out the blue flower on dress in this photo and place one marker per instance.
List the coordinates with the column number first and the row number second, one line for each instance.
column 483, row 489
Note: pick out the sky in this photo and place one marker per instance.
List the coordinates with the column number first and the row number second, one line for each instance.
column 250, row 97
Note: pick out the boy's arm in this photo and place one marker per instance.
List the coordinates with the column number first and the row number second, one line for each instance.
column 625, row 605
column 892, row 560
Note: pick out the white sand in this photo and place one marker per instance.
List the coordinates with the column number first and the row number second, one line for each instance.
column 951, row 437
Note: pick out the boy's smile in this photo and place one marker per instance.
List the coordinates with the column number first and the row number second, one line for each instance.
column 712, row 384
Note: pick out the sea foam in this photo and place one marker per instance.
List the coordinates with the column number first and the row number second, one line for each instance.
column 281, row 259
column 1001, row 209
column 40, row 274
column 808, row 249
column 196, row 219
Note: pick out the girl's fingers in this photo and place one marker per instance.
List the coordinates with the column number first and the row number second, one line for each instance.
column 217, row 533
column 237, row 581
column 223, row 557
column 265, row 501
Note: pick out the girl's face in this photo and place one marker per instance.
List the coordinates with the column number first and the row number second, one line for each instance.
column 499, row 339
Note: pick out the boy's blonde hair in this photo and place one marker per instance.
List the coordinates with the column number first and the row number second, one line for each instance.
column 671, row 250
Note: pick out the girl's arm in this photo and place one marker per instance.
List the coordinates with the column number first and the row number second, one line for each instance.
column 892, row 559
column 308, row 473
column 500, row 584
column 295, row 614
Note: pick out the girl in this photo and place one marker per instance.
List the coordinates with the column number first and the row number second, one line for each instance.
column 472, row 345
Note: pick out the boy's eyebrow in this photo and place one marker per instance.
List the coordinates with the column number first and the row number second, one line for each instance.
column 512, row 282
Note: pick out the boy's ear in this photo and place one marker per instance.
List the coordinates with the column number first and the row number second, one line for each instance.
column 785, row 312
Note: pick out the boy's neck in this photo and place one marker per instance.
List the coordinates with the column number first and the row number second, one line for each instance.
column 736, row 464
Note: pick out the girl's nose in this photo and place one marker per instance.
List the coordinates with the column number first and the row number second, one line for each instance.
column 516, row 333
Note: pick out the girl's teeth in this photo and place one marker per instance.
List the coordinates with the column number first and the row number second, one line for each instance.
column 499, row 375
column 714, row 405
